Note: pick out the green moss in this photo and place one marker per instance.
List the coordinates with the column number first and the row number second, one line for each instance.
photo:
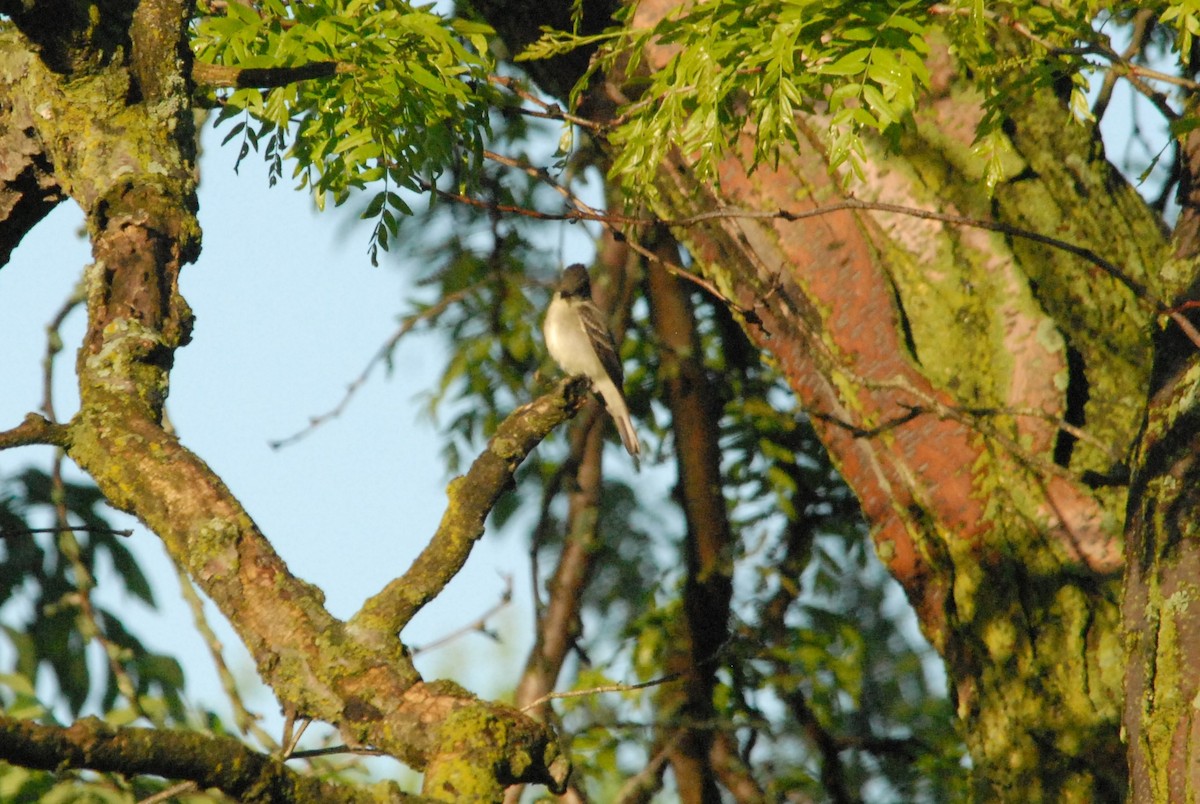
column 472, row 742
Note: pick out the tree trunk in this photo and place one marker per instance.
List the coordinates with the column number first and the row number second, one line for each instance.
column 1161, row 615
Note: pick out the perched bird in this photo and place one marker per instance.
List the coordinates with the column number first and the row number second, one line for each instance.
column 580, row 343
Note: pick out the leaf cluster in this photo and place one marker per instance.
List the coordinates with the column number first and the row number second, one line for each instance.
column 407, row 96
column 47, row 625
column 858, row 65
column 755, row 77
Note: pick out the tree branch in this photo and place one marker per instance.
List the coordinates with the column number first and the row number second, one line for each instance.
column 470, row 499
column 208, row 760
column 28, row 188
column 223, row 76
column 695, row 422
column 35, row 429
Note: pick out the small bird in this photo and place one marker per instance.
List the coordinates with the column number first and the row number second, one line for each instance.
column 580, row 343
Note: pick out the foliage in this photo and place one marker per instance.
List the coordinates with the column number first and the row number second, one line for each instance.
column 861, row 67
column 49, row 623
column 863, row 62
column 393, row 62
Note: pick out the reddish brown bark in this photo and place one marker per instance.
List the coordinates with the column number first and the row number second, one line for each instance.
column 695, row 419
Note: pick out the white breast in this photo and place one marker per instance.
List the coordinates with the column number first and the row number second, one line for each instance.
column 568, row 343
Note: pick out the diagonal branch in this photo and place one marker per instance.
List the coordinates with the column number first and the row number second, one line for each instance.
column 471, row 498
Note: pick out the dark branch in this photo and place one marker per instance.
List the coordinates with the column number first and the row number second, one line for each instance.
column 35, row 430
column 209, row 761
column 4, row 534
column 218, row 75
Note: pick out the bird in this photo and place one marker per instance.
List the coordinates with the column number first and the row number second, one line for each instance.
column 581, row 344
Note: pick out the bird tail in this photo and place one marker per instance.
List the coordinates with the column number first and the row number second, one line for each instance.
column 629, row 438
column 614, row 402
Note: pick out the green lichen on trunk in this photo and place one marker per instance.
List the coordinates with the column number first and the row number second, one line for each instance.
column 482, row 749
column 1162, row 597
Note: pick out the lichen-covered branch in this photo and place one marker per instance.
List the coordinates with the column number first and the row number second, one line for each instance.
column 28, row 187
column 1161, row 602
column 34, row 429
column 470, row 498
column 1162, row 599
column 211, row 761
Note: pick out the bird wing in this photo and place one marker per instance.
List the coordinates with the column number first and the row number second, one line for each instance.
column 602, row 342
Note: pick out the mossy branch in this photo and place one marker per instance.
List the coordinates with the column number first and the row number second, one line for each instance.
column 471, row 498
column 210, row 761
column 35, row 429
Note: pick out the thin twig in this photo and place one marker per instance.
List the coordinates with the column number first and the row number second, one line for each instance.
column 476, row 625
column 583, row 212
column 383, row 354
column 578, row 210
column 1139, row 31
column 337, row 749
column 1092, row 48
column 292, row 735
column 246, row 722
column 171, row 792
column 60, row 528
column 648, row 778
column 654, row 682
column 54, row 345
column 549, row 110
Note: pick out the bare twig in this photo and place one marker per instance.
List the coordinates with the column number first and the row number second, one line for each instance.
column 246, row 722
column 382, row 355
column 60, row 528
column 548, row 110
column 331, row 750
column 171, row 792
column 606, row 688
column 1119, row 61
column 649, row 778
column 54, row 345
column 292, row 734
column 580, row 211
column 478, row 625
